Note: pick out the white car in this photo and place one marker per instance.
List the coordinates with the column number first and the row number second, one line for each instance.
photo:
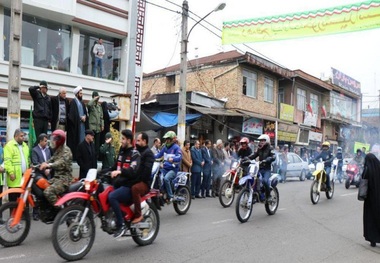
column 297, row 167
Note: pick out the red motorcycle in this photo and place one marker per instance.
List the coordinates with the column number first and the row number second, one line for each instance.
column 74, row 227
column 353, row 172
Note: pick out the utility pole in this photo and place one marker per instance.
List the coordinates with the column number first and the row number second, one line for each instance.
column 14, row 77
column 181, row 130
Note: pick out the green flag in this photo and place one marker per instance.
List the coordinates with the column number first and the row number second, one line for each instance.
column 32, row 133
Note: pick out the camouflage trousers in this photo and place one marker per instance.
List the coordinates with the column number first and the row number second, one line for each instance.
column 56, row 188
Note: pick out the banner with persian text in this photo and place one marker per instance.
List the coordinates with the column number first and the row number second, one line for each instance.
column 341, row 19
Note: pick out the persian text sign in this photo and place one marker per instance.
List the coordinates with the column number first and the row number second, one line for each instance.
column 342, row 19
column 342, row 80
column 286, row 112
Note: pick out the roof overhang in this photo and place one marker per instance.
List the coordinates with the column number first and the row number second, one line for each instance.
column 215, row 111
column 257, row 115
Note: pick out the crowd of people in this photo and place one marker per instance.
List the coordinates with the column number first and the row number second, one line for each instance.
column 76, row 136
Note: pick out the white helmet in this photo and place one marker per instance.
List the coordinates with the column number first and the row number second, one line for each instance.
column 262, row 138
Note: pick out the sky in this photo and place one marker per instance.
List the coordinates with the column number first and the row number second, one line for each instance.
column 355, row 54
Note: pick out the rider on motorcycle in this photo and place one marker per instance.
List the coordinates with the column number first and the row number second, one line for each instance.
column 61, row 162
column 244, row 150
column 266, row 156
column 327, row 157
column 172, row 157
column 339, row 156
column 359, row 159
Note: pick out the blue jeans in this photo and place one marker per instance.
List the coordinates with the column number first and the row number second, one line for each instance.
column 328, row 170
column 98, row 62
column 168, row 178
column 265, row 177
column 123, row 194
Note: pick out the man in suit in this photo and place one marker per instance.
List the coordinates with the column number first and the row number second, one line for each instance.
column 60, row 110
column 206, row 180
column 86, row 155
column 196, row 170
column 40, row 154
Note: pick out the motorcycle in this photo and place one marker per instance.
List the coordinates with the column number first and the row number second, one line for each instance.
column 353, row 174
column 180, row 188
column 319, row 183
column 253, row 192
column 74, row 227
column 15, row 222
column 231, row 184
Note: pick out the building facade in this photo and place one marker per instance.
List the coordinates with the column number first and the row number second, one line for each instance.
column 57, row 46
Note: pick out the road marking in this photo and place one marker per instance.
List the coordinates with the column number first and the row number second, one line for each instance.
column 13, row 257
column 222, row 221
column 349, row 194
column 281, row 209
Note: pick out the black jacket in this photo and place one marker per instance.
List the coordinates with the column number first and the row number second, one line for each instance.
column 144, row 170
column 127, row 162
column 55, row 111
column 86, row 158
column 265, row 154
column 42, row 104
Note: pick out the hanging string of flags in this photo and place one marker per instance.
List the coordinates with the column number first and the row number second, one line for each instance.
column 341, row 19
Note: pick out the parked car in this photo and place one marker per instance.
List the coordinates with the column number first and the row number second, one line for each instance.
column 296, row 167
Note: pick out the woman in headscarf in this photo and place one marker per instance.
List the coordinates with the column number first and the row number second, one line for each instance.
column 371, row 211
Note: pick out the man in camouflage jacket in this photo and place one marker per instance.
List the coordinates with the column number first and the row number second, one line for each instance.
column 61, row 163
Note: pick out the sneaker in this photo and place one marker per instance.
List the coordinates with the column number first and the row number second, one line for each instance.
column 120, row 231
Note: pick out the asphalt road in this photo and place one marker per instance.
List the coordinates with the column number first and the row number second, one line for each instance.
column 330, row 231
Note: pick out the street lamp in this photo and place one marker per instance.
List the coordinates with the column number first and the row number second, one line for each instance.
column 181, row 129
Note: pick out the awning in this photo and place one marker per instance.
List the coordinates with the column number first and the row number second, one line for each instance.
column 146, row 123
column 257, row 115
column 215, row 111
column 170, row 119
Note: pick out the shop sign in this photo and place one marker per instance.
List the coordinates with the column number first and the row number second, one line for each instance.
column 310, row 119
column 286, row 112
column 315, row 136
column 252, row 126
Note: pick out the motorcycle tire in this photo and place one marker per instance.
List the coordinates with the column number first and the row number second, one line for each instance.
column 10, row 237
column 314, row 194
column 66, row 232
column 143, row 237
column 227, row 194
column 347, row 183
column 330, row 194
column 272, row 205
column 242, row 209
column 181, row 207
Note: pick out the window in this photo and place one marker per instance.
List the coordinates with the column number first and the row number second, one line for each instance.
column 111, row 60
column 314, row 103
column 354, row 110
column 45, row 44
column 301, row 99
column 249, row 83
column 281, row 96
column 268, row 89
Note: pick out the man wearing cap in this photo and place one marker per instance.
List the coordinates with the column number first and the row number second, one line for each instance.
column 77, row 121
column 95, row 119
column 41, row 107
column 86, row 158
column 107, row 152
column 60, row 110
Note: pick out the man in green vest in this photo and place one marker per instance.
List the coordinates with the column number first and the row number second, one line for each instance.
column 95, row 119
column 16, row 161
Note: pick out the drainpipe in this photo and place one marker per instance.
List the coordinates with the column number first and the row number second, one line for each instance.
column 292, row 93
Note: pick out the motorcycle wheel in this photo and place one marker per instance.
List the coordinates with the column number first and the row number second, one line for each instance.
column 13, row 236
column 243, row 211
column 227, row 194
column 146, row 236
column 347, row 183
column 71, row 241
column 314, row 194
column 181, row 207
column 330, row 194
column 271, row 206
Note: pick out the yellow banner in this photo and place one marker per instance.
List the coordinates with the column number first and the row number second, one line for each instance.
column 286, row 112
column 343, row 19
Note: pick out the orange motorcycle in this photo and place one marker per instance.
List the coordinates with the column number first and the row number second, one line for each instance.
column 15, row 216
